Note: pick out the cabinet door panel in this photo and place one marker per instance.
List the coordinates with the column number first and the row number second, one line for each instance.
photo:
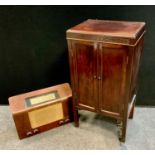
column 112, row 66
column 85, row 53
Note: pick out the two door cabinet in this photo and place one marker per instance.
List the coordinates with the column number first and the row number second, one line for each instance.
column 104, row 61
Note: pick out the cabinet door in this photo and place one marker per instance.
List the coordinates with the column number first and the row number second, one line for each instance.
column 113, row 61
column 84, row 55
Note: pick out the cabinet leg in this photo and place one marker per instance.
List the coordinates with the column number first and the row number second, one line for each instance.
column 76, row 117
column 121, row 130
column 132, row 111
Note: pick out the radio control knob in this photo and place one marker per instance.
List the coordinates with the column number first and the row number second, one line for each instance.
column 66, row 120
column 61, row 122
column 35, row 131
column 29, row 133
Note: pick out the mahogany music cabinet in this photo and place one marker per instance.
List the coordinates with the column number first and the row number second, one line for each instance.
column 104, row 62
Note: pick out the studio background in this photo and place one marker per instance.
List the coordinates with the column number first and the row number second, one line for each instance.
column 33, row 47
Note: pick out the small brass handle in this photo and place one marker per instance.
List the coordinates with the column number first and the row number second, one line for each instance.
column 99, row 78
column 94, row 76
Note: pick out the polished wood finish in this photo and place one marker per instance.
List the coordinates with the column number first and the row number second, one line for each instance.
column 20, row 111
column 104, row 61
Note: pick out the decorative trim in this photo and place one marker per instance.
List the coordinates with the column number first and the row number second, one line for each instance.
column 42, row 98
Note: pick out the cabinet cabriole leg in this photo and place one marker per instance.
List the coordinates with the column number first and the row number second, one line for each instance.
column 124, row 127
column 122, row 130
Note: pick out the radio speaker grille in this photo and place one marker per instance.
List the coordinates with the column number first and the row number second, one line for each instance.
column 46, row 115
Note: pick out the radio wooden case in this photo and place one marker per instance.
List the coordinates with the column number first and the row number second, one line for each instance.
column 41, row 110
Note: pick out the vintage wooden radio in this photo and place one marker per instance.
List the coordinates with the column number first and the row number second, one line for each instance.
column 40, row 110
column 104, row 62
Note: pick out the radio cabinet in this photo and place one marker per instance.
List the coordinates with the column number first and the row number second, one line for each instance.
column 104, row 61
column 41, row 110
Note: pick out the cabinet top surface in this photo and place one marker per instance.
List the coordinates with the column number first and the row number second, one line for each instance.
column 125, row 29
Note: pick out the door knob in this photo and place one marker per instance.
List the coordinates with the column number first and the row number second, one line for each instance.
column 99, row 78
column 94, row 76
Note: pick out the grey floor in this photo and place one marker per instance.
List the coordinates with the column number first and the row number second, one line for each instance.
column 95, row 132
